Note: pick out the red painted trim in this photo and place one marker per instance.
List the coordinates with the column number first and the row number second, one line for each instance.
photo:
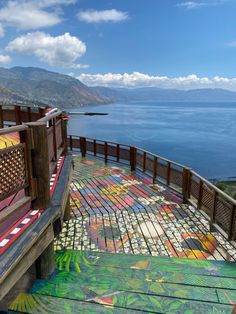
column 57, row 175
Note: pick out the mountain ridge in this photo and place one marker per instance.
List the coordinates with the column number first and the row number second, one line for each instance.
column 49, row 87
column 166, row 95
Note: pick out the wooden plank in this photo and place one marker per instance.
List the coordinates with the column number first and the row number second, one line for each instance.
column 45, row 264
column 11, row 209
column 25, row 260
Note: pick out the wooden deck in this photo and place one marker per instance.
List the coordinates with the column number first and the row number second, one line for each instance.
column 119, row 211
column 94, row 282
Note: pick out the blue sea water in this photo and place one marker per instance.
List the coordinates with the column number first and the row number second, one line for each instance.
column 199, row 135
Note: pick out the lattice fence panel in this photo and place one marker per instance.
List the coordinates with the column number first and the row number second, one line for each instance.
column 207, row 199
column 223, row 214
column 89, row 146
column 75, row 143
column 124, row 154
column 13, row 176
column 149, row 164
column 139, row 159
column 162, row 170
column 112, row 151
column 100, row 148
column 176, row 177
column 195, row 188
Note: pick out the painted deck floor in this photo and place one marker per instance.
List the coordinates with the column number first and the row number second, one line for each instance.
column 118, row 211
column 167, row 246
column 94, row 282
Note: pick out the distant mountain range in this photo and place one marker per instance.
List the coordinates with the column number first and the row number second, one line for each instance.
column 166, row 95
column 20, row 84
column 39, row 85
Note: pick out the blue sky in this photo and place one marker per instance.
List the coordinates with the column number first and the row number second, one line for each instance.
column 163, row 43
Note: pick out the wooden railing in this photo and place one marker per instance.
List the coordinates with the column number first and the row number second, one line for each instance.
column 219, row 208
column 16, row 115
column 28, row 165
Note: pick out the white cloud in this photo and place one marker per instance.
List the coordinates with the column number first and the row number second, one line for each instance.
column 2, row 32
column 80, row 66
column 191, row 4
column 196, row 4
column 4, row 59
column 61, row 50
column 93, row 16
column 137, row 79
column 31, row 14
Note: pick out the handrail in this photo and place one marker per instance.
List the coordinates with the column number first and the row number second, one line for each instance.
column 50, row 116
column 222, row 193
column 13, row 129
column 182, row 179
column 109, row 142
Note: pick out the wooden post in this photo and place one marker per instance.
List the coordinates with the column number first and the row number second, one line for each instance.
column 83, row 146
column 154, row 168
column 67, row 213
column 1, row 117
column 105, row 152
column 29, row 114
column 168, row 174
column 45, row 264
column 133, row 152
column 54, row 142
column 26, row 137
column 41, row 112
column 117, row 152
column 231, row 233
column 94, row 148
column 186, row 184
column 71, row 143
column 64, row 136
column 144, row 161
column 213, row 213
column 17, row 115
column 40, row 163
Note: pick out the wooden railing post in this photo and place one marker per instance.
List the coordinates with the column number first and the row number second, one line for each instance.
column 83, row 146
column 213, row 212
column 186, row 184
column 1, row 117
column 54, row 141
column 168, row 173
column 25, row 137
column 232, row 229
column 64, row 136
column 40, row 163
column 17, row 115
column 29, row 114
column 133, row 152
column 105, row 152
column 199, row 201
column 154, row 169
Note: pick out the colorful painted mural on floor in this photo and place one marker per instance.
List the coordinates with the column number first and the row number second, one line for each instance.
column 115, row 210
column 94, row 282
column 9, row 140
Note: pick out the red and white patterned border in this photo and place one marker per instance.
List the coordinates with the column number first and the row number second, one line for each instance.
column 19, row 227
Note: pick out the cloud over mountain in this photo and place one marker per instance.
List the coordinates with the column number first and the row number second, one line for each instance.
column 137, row 79
column 61, row 50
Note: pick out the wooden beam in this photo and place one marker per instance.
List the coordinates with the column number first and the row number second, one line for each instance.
column 45, row 264
column 40, row 164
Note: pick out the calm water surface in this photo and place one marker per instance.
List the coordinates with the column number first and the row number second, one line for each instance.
column 202, row 136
